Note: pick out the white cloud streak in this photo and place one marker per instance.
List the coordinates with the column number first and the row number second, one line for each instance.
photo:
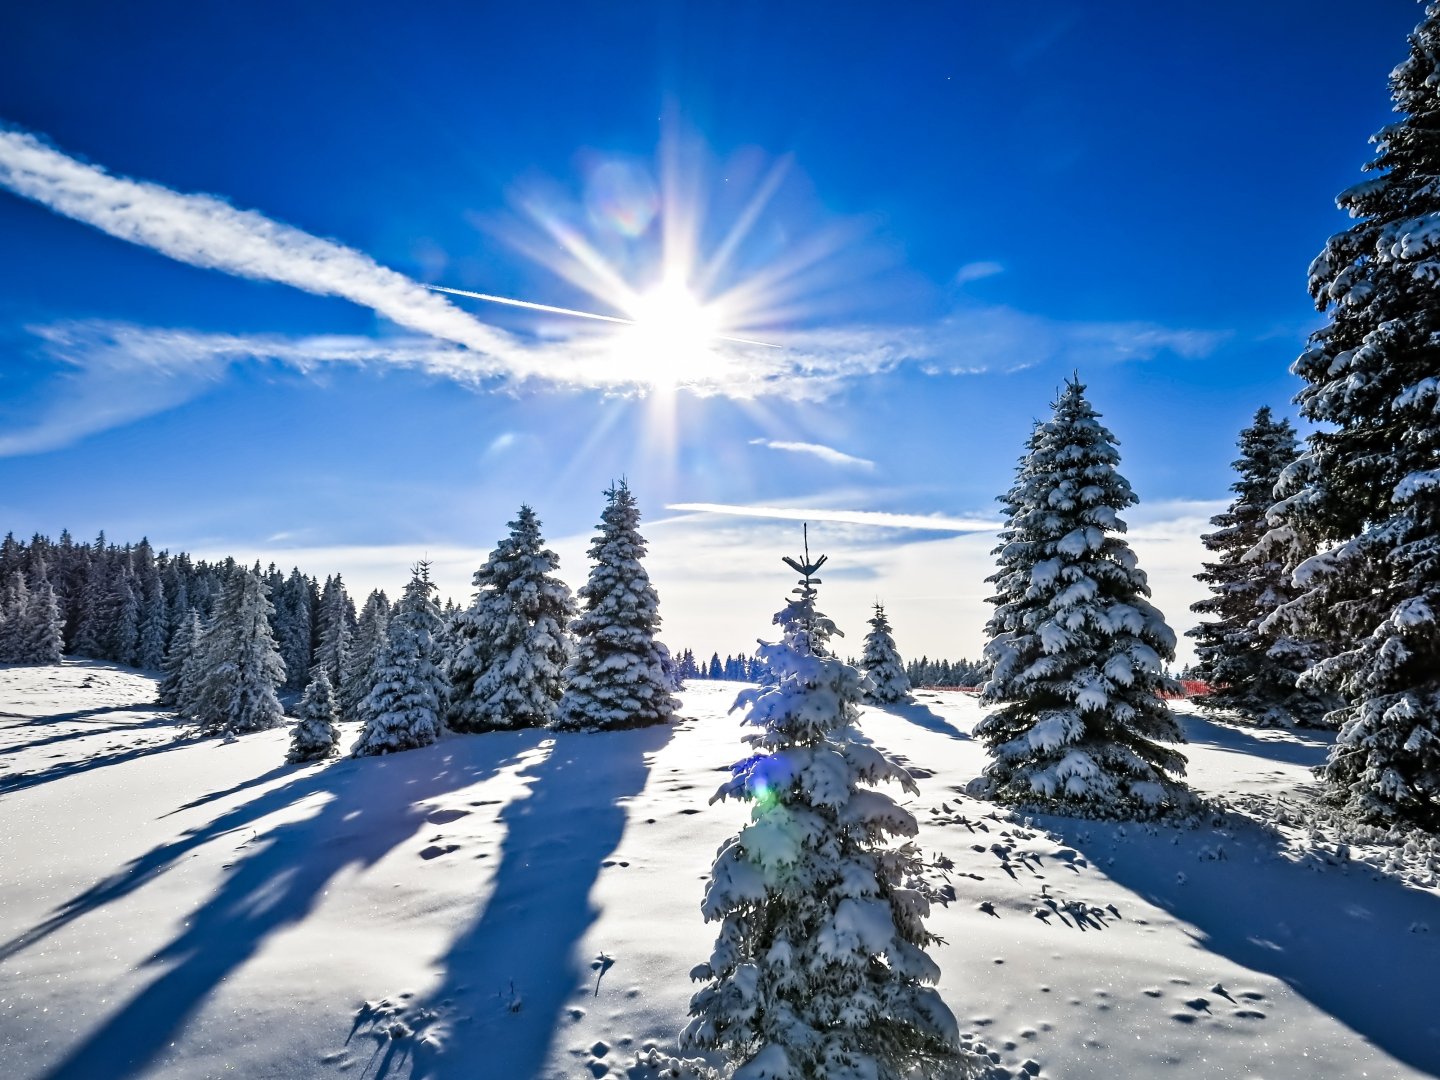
column 204, row 231
column 975, row 271
column 827, row 454
column 115, row 374
column 869, row 518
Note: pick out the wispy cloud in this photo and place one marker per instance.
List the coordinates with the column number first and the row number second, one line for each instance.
column 112, row 374
column 975, row 271
column 827, row 454
column 204, row 231
column 870, row 518
column 995, row 337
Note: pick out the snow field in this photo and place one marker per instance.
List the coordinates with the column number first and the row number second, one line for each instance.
column 526, row 903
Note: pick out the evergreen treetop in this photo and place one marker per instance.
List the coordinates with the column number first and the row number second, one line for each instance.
column 620, row 674
column 880, row 660
column 403, row 710
column 1250, row 663
column 511, row 647
column 1368, row 485
column 819, row 968
column 1078, row 651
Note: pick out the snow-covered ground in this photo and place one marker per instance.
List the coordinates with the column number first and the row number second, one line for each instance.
column 527, row 904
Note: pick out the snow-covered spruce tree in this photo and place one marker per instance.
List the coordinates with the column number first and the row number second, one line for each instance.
column 881, row 663
column 403, row 709
column 819, row 968
column 240, row 668
column 620, row 676
column 293, row 626
column 14, row 620
column 1368, row 486
column 315, row 736
column 1250, row 663
column 43, row 638
column 363, row 655
column 332, row 629
column 154, row 625
column 123, row 617
column 182, row 648
column 1076, row 648
column 510, row 643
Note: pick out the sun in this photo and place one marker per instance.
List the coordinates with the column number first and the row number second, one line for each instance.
column 672, row 337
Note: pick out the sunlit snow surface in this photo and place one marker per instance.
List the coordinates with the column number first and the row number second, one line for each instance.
column 521, row 904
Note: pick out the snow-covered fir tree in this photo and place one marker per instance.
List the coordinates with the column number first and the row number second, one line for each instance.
column 91, row 629
column 510, row 644
column 403, row 709
column 316, row 734
column 1250, row 662
column 240, row 669
column 1078, row 651
column 182, row 648
column 293, row 627
column 30, row 624
column 43, row 639
column 620, row 675
column 819, row 968
column 364, row 654
column 14, row 617
column 123, row 617
column 881, row 663
column 1368, row 486
column 333, row 629
column 154, row 623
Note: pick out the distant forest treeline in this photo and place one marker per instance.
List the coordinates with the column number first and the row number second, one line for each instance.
column 923, row 672
column 123, row 603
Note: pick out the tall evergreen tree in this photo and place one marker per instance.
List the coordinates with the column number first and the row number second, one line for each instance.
column 1078, row 651
column 1250, row 663
column 91, row 627
column 14, row 616
column 880, row 660
column 620, row 674
column 819, row 968
column 510, row 643
column 44, row 637
column 182, row 647
column 240, row 667
column 364, row 654
column 316, row 735
column 1369, row 484
column 333, row 629
column 154, row 624
column 122, row 615
column 293, row 624
column 403, row 710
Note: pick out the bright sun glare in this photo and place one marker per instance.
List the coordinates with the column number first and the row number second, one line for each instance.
column 672, row 335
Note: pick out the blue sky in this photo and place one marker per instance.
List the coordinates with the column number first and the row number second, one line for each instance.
column 936, row 211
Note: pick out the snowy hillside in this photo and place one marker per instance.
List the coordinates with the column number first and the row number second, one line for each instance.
column 520, row 904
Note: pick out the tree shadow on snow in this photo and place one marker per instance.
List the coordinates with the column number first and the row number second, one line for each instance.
column 925, row 717
column 1292, row 746
column 22, row 780
column 162, row 721
column 509, row 975
column 373, row 805
column 1337, row 932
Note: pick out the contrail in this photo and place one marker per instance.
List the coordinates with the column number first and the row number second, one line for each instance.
column 530, row 305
